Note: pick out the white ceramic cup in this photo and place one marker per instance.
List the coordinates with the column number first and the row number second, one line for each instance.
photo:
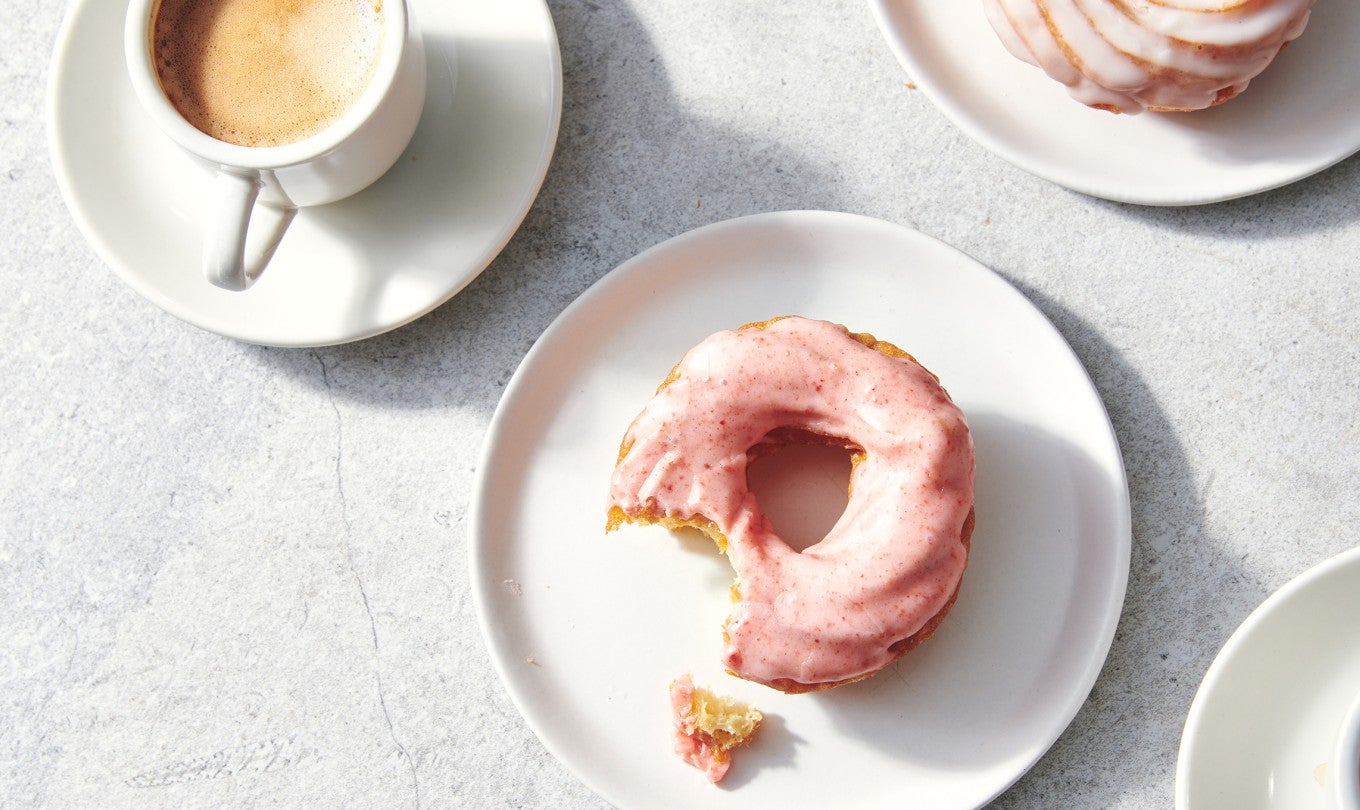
column 267, row 185
column 1345, row 768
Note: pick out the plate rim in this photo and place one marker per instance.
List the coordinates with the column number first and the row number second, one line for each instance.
column 60, row 62
column 480, row 503
column 1241, row 638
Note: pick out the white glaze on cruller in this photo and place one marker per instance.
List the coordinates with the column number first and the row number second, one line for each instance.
column 1130, row 55
column 894, row 559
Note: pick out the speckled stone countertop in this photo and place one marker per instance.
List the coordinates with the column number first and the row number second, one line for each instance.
column 238, row 575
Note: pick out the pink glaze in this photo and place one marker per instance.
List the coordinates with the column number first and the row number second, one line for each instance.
column 894, row 558
column 1134, row 54
column 693, row 745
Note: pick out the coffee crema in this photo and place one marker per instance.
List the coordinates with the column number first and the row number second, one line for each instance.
column 265, row 72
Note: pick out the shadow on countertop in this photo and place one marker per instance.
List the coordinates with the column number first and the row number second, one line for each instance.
column 1184, row 596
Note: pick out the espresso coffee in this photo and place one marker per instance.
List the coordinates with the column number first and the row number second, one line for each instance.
column 265, row 72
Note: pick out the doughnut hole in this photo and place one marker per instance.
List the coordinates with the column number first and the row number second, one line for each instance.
column 802, row 485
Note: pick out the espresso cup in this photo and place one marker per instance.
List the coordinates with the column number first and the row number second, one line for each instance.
column 286, row 104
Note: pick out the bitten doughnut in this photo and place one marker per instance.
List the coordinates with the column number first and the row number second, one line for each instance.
column 885, row 575
column 1166, row 55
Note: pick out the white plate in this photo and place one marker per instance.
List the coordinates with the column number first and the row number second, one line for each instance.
column 1298, row 117
column 1262, row 729
column 344, row 271
column 587, row 629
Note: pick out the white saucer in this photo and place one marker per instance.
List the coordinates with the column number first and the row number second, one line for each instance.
column 1298, row 117
column 344, row 271
column 587, row 629
column 1262, row 730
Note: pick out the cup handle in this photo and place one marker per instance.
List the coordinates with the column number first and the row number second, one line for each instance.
column 227, row 241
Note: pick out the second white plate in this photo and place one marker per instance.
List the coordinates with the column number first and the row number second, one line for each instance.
column 1262, row 730
column 1298, row 117
column 586, row 629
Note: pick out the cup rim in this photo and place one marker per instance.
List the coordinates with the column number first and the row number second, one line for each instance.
column 141, row 68
column 1346, row 760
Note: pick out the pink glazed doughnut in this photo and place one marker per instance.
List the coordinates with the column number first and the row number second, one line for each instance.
column 886, row 574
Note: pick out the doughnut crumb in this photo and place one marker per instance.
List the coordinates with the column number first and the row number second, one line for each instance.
column 708, row 726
